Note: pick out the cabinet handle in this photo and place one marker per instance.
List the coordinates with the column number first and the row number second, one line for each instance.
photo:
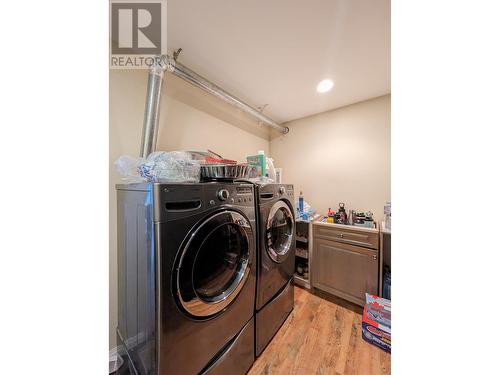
column 374, row 257
column 341, row 235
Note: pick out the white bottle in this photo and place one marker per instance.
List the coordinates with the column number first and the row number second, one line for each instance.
column 271, row 171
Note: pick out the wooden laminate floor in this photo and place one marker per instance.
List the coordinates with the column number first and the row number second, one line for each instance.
column 321, row 337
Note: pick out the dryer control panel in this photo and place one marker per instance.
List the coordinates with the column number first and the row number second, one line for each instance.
column 173, row 201
column 240, row 195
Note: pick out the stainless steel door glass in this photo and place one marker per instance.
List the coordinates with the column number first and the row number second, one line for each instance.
column 279, row 231
column 214, row 264
column 219, row 264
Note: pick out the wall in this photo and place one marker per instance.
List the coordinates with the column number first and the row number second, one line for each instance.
column 190, row 120
column 340, row 156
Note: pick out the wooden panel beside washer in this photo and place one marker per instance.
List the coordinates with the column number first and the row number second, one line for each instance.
column 357, row 236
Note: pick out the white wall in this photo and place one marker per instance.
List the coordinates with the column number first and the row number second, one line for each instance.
column 190, row 120
column 340, row 156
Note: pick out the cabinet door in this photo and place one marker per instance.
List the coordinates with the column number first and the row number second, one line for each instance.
column 344, row 270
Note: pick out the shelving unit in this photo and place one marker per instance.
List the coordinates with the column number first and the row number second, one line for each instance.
column 303, row 236
column 385, row 256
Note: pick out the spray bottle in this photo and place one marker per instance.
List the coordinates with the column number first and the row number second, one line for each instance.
column 301, row 204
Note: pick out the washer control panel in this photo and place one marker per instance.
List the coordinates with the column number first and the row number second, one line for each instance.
column 244, row 194
column 223, row 194
column 287, row 190
column 231, row 194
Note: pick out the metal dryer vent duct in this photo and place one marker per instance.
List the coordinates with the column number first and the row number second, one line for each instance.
column 155, row 83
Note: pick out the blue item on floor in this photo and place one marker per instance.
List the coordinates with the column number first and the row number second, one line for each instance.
column 386, row 289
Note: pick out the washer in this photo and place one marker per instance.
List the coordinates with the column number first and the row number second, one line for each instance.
column 187, row 277
column 276, row 258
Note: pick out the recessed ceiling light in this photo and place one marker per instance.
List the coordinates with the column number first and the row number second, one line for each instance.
column 324, row 86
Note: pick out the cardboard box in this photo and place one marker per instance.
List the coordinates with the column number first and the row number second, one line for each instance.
column 258, row 161
column 376, row 323
column 378, row 301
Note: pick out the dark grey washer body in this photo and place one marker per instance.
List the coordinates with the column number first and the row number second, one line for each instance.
column 159, row 336
column 274, row 297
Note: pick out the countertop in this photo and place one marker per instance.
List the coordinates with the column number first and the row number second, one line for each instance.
column 314, row 218
column 343, row 226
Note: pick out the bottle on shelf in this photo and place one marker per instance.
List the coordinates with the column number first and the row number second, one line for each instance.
column 301, row 204
column 341, row 214
column 330, row 215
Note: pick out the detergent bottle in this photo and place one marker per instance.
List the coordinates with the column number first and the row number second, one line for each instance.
column 329, row 218
column 301, row 204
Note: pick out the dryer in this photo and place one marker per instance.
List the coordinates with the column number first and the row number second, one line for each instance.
column 276, row 258
column 187, row 274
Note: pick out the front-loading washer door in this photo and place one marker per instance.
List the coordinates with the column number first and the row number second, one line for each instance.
column 214, row 264
column 280, row 228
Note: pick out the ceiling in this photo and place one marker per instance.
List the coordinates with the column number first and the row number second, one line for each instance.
column 275, row 52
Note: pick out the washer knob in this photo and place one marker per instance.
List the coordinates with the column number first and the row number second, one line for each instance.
column 223, row 194
column 282, row 190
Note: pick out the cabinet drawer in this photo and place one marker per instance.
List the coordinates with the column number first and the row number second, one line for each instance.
column 348, row 235
column 344, row 270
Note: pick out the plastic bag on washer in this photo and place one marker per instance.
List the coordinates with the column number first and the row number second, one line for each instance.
column 171, row 166
column 128, row 168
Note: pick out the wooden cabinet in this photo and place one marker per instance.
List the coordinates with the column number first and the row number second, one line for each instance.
column 343, row 269
column 348, row 235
